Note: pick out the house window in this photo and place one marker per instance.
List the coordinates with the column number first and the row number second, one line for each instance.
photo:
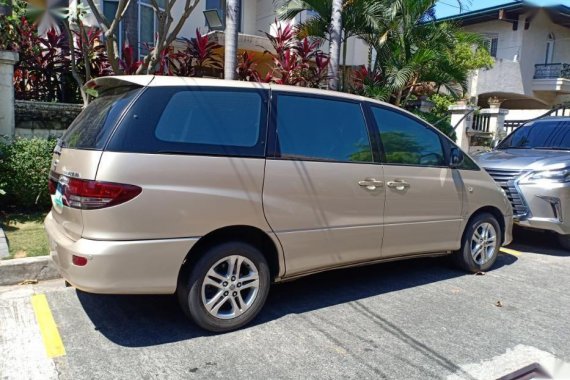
column 148, row 25
column 220, row 6
column 109, row 11
column 549, row 49
column 492, row 43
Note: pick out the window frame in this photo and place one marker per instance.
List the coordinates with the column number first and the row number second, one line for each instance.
column 445, row 143
column 273, row 149
column 144, row 3
column 189, row 149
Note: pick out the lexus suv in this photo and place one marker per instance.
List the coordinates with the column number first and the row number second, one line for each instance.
column 215, row 189
column 532, row 165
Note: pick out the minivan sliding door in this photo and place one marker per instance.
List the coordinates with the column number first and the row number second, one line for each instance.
column 323, row 191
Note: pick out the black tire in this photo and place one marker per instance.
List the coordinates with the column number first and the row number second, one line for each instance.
column 464, row 258
column 564, row 241
column 190, row 288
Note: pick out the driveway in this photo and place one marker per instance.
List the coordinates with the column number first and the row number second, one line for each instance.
column 414, row 319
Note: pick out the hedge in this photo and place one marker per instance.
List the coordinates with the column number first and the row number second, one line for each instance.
column 24, row 170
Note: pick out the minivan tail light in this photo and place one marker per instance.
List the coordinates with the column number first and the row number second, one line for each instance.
column 91, row 195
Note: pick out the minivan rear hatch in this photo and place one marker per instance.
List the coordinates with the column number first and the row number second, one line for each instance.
column 78, row 152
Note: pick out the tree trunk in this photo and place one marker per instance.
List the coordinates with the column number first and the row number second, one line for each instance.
column 74, row 72
column 343, row 69
column 231, row 39
column 398, row 100
column 335, row 35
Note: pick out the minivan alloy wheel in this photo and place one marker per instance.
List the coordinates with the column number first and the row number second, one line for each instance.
column 483, row 243
column 230, row 287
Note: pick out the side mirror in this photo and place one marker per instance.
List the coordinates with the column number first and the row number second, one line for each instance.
column 456, row 157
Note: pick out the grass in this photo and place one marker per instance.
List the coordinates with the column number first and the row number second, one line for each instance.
column 25, row 234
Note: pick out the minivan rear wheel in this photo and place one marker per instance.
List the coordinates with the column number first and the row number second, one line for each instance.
column 480, row 244
column 226, row 288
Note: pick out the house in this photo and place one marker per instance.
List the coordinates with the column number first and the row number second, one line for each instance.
column 256, row 18
column 531, row 47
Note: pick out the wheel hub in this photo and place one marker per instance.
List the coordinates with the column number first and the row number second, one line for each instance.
column 230, row 287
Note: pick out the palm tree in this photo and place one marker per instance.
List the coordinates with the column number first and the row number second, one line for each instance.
column 383, row 24
column 231, row 39
column 413, row 49
column 334, row 51
column 355, row 14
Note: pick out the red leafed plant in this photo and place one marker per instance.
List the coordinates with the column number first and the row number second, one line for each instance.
column 362, row 77
column 43, row 62
column 89, row 45
column 246, row 70
column 198, row 55
column 129, row 63
column 296, row 62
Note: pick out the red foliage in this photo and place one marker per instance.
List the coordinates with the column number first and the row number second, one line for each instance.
column 246, row 70
column 362, row 77
column 297, row 63
column 128, row 63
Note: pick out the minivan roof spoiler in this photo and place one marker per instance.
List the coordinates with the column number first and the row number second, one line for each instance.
column 105, row 83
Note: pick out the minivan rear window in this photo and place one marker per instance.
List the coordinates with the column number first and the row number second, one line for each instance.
column 194, row 120
column 91, row 129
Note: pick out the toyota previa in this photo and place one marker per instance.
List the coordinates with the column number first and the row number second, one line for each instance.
column 214, row 190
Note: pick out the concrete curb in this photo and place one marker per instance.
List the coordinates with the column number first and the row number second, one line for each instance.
column 16, row 271
column 3, row 245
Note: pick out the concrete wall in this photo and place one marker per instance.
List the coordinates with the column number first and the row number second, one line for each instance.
column 525, row 114
column 39, row 119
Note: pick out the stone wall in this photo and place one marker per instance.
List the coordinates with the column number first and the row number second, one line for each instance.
column 39, row 119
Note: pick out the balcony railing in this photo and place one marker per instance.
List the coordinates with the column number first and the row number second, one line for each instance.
column 552, row 70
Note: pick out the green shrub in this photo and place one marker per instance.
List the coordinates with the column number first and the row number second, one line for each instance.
column 24, row 170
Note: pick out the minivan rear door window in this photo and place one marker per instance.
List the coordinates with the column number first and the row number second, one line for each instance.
column 93, row 126
column 210, row 117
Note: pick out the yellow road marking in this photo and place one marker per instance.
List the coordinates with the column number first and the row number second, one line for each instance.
column 48, row 328
column 511, row 251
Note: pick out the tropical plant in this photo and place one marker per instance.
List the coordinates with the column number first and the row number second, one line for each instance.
column 247, row 68
column 296, row 62
column 198, row 54
column 91, row 52
column 128, row 63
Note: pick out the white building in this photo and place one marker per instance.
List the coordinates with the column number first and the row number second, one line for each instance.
column 531, row 46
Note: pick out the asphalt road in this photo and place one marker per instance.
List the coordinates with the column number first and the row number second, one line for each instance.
column 414, row 319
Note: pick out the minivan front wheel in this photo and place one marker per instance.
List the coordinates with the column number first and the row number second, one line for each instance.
column 480, row 245
column 226, row 288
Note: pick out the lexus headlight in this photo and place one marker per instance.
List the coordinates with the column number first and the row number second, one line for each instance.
column 547, row 176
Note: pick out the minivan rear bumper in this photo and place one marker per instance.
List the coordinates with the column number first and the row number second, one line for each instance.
column 119, row 267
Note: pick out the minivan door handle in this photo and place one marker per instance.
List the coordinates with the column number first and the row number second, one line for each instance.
column 398, row 184
column 371, row 183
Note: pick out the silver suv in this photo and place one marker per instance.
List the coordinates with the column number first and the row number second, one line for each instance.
column 215, row 189
column 532, row 165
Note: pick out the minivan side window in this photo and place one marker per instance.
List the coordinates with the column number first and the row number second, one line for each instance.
column 321, row 129
column 211, row 117
column 407, row 141
column 195, row 120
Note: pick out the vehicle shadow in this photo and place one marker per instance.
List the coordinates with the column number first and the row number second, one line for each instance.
column 537, row 242
column 141, row 321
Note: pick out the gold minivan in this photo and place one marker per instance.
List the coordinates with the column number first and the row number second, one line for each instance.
column 215, row 189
